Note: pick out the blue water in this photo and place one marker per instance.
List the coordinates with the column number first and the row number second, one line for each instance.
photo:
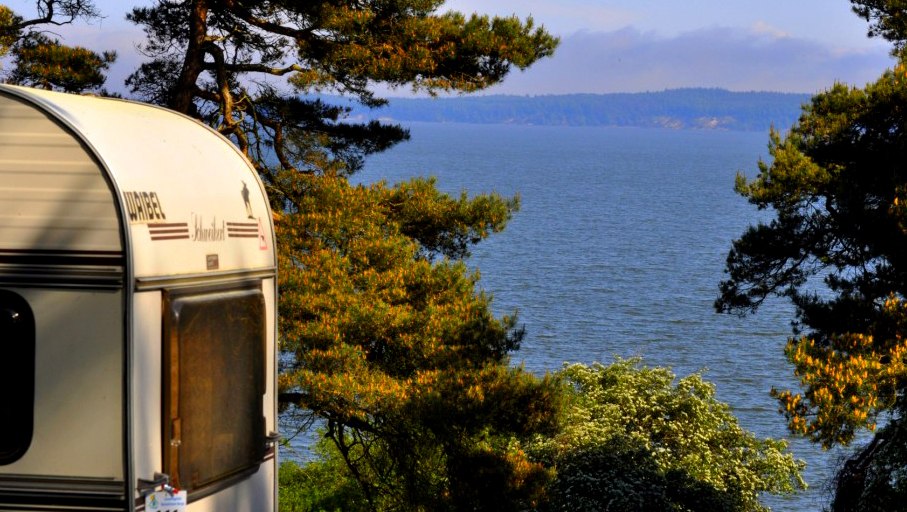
column 618, row 251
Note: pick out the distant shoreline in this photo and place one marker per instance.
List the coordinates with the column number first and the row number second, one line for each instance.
column 696, row 108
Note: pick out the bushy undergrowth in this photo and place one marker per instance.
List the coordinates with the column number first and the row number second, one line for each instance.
column 631, row 438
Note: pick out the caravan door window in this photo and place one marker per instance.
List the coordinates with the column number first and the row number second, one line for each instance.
column 214, row 385
column 17, row 376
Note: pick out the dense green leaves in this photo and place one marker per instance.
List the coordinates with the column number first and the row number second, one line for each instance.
column 49, row 64
column 383, row 336
column 636, row 439
column 629, row 438
column 41, row 61
column 321, row 485
column 212, row 60
column 443, row 225
column 833, row 185
column 391, row 345
column 835, row 249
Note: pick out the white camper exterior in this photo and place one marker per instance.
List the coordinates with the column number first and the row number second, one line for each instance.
column 137, row 310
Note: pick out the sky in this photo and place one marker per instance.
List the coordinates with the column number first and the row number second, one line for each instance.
column 628, row 45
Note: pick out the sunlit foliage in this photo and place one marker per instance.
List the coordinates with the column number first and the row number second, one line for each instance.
column 835, row 184
column 848, row 382
column 49, row 64
column 835, row 248
column 384, row 337
column 8, row 31
column 322, row 484
column 393, row 348
column 42, row 61
column 636, row 438
column 234, row 64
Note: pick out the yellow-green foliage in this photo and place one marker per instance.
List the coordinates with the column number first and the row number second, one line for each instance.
column 47, row 63
column 836, row 183
column 420, row 48
column 634, row 438
column 835, row 248
column 387, row 340
column 849, row 382
column 8, row 35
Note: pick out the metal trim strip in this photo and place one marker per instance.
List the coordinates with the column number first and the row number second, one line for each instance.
column 61, row 277
column 49, row 493
column 58, row 258
column 206, row 279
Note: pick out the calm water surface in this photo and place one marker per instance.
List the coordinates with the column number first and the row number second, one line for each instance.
column 618, row 251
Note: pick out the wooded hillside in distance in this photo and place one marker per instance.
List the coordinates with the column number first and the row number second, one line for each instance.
column 677, row 108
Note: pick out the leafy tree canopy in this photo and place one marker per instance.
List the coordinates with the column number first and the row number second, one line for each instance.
column 220, row 60
column 42, row 61
column 49, row 64
column 383, row 335
column 8, row 32
column 836, row 184
column 398, row 353
column 635, row 439
column 835, row 247
column 887, row 19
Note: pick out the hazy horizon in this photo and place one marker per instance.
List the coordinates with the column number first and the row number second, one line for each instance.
column 624, row 46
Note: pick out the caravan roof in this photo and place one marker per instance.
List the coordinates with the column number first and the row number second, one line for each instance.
column 106, row 180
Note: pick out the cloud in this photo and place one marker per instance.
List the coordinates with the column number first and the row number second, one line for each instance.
column 761, row 27
column 759, row 58
column 105, row 36
column 557, row 17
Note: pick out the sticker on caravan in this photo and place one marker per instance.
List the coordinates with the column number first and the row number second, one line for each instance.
column 207, row 230
column 262, row 241
column 242, row 229
column 245, row 197
column 143, row 207
column 163, row 501
column 169, row 231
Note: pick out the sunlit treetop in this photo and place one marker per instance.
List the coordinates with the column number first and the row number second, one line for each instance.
column 837, row 185
column 235, row 63
column 49, row 64
column 887, row 19
column 8, row 32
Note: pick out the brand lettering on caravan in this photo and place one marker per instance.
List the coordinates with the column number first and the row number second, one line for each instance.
column 211, row 232
column 143, row 207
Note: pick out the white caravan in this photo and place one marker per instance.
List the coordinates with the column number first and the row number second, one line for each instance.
column 137, row 311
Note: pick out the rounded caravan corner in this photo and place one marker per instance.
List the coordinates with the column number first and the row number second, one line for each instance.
column 116, row 209
column 134, row 143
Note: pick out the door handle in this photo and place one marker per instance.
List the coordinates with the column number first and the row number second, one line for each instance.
column 145, row 486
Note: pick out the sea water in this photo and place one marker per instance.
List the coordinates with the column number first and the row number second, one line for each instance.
column 618, row 250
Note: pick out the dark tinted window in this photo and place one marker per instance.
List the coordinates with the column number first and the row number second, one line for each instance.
column 17, row 376
column 214, row 385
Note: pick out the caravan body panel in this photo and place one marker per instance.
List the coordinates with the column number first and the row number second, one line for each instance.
column 186, row 191
column 132, row 234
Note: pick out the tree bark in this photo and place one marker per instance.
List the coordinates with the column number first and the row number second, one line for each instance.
column 194, row 62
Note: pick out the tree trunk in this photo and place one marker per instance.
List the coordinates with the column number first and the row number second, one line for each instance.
column 193, row 65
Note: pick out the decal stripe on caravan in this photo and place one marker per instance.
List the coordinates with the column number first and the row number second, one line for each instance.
column 242, row 229
column 169, row 231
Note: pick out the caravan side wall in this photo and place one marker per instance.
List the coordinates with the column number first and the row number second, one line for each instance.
column 60, row 251
column 138, row 277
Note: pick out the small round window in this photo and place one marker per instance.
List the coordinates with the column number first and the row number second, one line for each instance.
column 17, row 376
